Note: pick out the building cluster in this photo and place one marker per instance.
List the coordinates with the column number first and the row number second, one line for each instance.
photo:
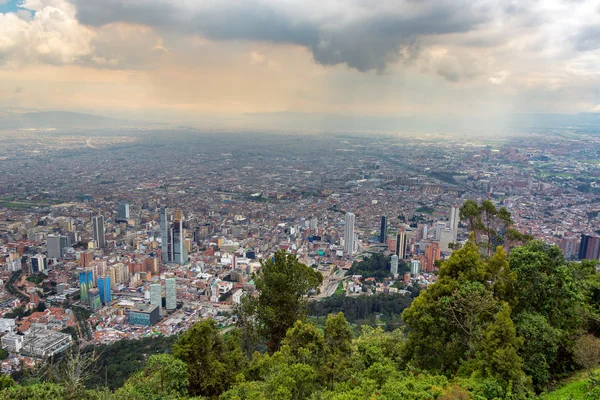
column 175, row 228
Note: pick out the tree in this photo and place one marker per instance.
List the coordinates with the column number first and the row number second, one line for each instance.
column 303, row 344
column 586, row 351
column 283, row 284
column 499, row 356
column 213, row 363
column 338, row 349
column 491, row 226
column 163, row 377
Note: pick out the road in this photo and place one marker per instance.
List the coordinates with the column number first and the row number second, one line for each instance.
column 330, row 284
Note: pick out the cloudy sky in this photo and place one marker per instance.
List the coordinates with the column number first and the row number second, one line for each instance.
column 187, row 60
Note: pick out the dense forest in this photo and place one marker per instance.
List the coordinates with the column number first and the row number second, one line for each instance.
column 497, row 326
column 364, row 310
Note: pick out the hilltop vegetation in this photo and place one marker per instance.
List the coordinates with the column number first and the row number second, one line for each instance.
column 497, row 327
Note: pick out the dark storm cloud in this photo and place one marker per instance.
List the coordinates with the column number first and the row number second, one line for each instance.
column 370, row 36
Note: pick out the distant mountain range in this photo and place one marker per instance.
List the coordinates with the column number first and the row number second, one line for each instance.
column 57, row 119
column 476, row 124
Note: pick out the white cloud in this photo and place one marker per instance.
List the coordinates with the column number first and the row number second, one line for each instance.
column 52, row 36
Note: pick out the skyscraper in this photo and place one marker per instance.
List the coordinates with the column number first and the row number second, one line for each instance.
column 173, row 243
column 123, row 211
column 394, row 265
column 415, row 268
column 104, row 288
column 156, row 296
column 86, row 282
column 349, row 234
column 454, row 220
column 98, row 230
column 383, row 229
column 38, row 263
column 53, row 244
column 164, row 233
column 178, row 248
column 171, row 293
column 401, row 245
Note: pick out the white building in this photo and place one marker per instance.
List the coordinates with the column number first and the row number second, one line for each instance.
column 394, row 266
column 237, row 296
column 12, row 342
column 349, row 240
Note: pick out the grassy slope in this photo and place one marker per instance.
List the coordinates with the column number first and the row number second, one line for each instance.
column 573, row 388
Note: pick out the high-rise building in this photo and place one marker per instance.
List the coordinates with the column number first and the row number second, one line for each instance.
column 401, row 244
column 164, row 232
column 39, row 263
column 589, row 249
column 94, row 296
column 438, row 230
column 98, row 231
column 104, row 289
column 86, row 282
column 56, row 245
column 394, row 265
column 415, row 268
column 349, row 245
column 171, row 293
column 123, row 213
column 174, row 248
column 86, row 258
column 454, row 220
column 156, row 296
column 314, row 225
column 383, row 229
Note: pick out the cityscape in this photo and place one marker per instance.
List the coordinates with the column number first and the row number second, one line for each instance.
column 151, row 247
column 299, row 200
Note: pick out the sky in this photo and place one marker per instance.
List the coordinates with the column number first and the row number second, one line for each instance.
column 290, row 60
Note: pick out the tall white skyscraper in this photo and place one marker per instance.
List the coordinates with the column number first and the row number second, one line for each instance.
column 98, row 230
column 454, row 219
column 349, row 234
column 394, row 265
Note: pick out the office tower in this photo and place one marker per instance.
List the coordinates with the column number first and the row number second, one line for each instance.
column 432, row 255
column 156, row 296
column 39, row 263
column 178, row 248
column 314, row 225
column 446, row 237
column 454, row 220
column 94, row 296
column 438, row 230
column 86, row 258
column 349, row 234
column 104, row 289
column 589, row 249
column 86, row 282
column 401, row 244
column 164, row 232
column 394, row 265
column 98, row 230
column 383, row 229
column 53, row 244
column 171, row 293
column 123, row 213
column 415, row 268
